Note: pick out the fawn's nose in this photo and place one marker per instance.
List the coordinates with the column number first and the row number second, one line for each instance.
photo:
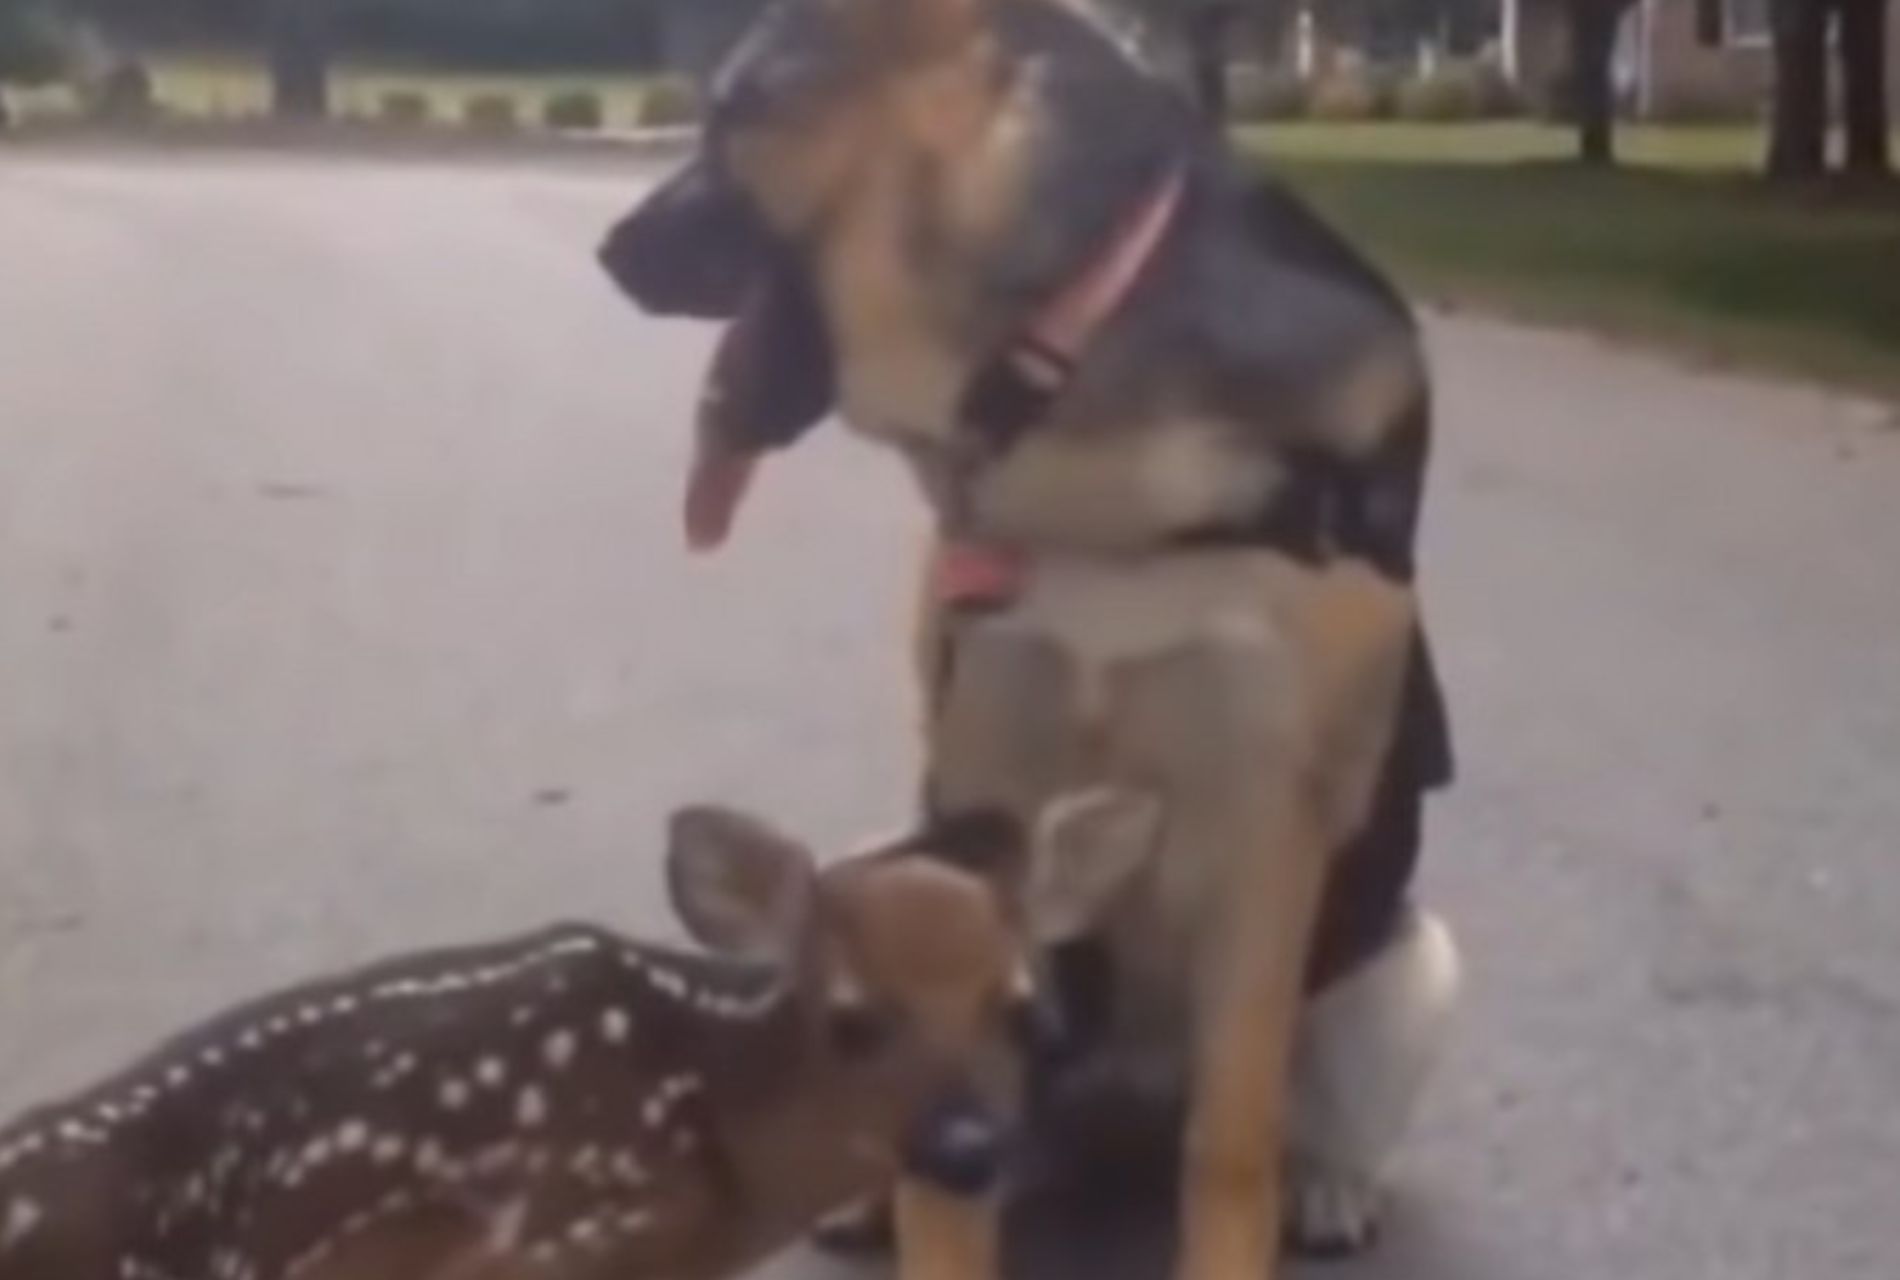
column 960, row 1146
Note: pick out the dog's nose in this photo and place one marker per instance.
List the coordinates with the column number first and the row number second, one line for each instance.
column 958, row 1146
column 693, row 247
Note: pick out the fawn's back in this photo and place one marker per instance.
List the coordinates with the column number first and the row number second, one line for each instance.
column 566, row 1105
column 524, row 1102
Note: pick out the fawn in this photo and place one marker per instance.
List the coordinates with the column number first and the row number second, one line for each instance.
column 571, row 1104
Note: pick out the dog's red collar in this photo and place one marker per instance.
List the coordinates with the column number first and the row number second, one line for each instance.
column 1015, row 389
column 1074, row 316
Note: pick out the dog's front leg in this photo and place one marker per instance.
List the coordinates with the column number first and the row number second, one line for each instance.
column 1230, row 726
column 1251, row 981
column 1321, row 724
column 944, row 1236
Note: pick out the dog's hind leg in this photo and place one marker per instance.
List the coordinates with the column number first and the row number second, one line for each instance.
column 1382, row 986
column 1367, row 1045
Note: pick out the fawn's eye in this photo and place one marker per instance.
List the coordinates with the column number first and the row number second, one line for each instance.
column 858, row 1030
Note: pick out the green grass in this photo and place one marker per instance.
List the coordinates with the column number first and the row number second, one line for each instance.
column 1716, row 148
column 1684, row 247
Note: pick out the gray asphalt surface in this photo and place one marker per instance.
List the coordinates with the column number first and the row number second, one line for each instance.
column 342, row 610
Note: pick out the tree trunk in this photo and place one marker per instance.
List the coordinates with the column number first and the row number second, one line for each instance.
column 1863, row 49
column 1208, row 27
column 299, row 59
column 1593, row 26
column 1797, row 145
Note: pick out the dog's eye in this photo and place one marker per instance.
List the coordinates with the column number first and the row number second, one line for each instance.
column 858, row 1030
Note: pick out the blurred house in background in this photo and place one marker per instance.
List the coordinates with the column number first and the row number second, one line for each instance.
column 1677, row 59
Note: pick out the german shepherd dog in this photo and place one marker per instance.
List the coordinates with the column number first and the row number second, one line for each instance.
column 1175, row 432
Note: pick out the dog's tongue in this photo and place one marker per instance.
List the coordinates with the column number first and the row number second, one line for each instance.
column 721, row 473
column 771, row 380
column 720, row 477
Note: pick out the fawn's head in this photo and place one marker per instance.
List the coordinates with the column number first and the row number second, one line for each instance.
column 909, row 967
column 914, row 961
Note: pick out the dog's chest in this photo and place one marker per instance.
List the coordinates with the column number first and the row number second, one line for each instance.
column 1116, row 490
column 1152, row 671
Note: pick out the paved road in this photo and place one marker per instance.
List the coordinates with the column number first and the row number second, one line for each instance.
column 341, row 609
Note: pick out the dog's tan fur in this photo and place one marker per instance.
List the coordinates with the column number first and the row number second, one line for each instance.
column 1257, row 694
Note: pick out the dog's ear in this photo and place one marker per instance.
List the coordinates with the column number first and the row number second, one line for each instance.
column 740, row 887
column 1089, row 846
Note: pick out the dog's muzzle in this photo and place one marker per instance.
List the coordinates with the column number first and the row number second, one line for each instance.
column 694, row 247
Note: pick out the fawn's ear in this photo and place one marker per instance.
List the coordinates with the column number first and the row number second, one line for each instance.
column 739, row 885
column 1088, row 847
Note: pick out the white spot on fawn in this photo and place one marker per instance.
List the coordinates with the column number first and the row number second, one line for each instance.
column 491, row 1072
column 398, row 1070
column 506, row 1225
column 388, row 1149
column 453, row 1094
column 23, row 1218
column 657, row 1110
column 559, row 1049
column 352, row 1135
column 615, row 1026
column 531, row 1108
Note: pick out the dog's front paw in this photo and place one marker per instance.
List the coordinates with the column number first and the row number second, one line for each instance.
column 1330, row 1213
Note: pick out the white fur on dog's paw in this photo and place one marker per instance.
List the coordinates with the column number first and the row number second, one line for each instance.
column 1329, row 1213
